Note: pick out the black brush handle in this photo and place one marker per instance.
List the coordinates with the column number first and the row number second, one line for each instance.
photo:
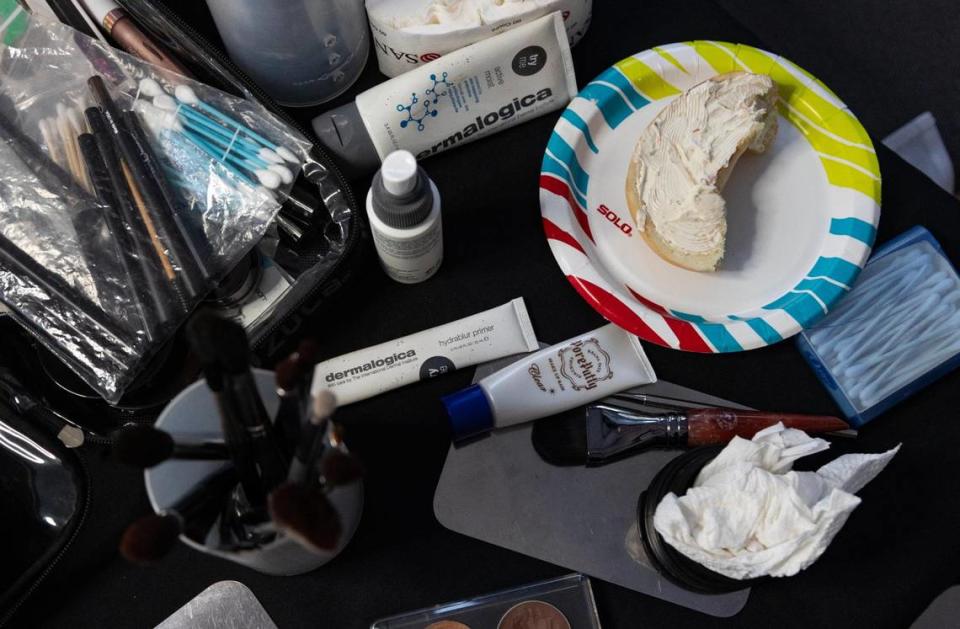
column 126, row 220
column 199, row 507
column 287, row 423
column 310, row 448
column 204, row 451
column 18, row 261
column 119, row 236
column 267, row 450
column 156, row 205
column 240, row 446
column 189, row 238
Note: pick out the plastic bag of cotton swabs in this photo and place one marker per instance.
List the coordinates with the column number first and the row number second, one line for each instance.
column 115, row 221
column 897, row 330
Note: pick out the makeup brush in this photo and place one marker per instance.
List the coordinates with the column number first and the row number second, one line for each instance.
column 150, row 538
column 292, row 375
column 300, row 506
column 155, row 211
column 223, row 349
column 305, row 514
column 121, row 239
column 238, row 440
column 124, row 30
column 192, row 236
column 146, row 446
column 303, row 466
column 127, row 224
column 612, row 430
column 341, row 468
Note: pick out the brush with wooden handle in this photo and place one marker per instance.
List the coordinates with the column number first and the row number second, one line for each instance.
column 611, row 430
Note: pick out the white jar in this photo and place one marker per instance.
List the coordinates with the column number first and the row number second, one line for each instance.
column 403, row 206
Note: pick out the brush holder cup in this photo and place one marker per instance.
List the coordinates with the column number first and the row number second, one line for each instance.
column 301, row 52
column 193, row 416
column 677, row 477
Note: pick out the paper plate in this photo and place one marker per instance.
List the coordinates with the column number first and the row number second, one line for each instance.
column 801, row 218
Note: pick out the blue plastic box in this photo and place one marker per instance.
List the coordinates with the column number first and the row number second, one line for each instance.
column 897, row 331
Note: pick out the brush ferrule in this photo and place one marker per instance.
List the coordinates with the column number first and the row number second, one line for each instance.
column 614, row 430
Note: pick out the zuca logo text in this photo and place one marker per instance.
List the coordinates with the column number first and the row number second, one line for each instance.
column 406, row 57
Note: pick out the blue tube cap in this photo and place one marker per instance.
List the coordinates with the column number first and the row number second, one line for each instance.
column 469, row 412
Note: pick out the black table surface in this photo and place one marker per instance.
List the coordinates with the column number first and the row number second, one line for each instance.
column 896, row 553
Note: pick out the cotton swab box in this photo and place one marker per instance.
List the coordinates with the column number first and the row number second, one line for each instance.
column 897, row 331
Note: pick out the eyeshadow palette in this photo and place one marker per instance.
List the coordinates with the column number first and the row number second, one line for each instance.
column 563, row 603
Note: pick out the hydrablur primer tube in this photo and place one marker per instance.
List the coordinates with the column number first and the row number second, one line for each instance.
column 570, row 374
column 489, row 335
column 483, row 88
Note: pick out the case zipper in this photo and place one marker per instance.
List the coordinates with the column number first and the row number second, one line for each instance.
column 84, row 509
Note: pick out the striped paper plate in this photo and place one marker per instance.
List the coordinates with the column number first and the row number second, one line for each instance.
column 801, row 217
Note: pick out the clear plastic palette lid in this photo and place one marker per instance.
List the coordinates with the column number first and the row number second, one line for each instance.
column 562, row 603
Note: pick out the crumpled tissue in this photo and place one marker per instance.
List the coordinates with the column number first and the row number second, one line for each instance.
column 748, row 515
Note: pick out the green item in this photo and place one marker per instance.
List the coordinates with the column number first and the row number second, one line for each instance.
column 13, row 20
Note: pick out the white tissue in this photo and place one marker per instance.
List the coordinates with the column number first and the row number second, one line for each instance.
column 749, row 515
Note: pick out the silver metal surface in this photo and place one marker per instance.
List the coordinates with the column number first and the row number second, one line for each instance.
column 498, row 490
column 223, row 605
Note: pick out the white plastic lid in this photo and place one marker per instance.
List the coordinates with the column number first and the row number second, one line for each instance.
column 399, row 172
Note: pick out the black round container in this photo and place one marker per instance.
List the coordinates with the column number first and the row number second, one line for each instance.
column 678, row 476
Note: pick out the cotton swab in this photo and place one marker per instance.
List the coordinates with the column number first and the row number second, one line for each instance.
column 934, row 332
column 198, row 121
column 187, row 97
column 185, row 94
column 79, row 127
column 206, row 148
column 73, row 159
column 847, row 349
column 232, row 146
column 163, row 119
column 49, row 133
column 903, row 323
column 152, row 89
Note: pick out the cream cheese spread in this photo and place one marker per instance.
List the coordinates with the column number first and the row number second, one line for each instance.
column 681, row 156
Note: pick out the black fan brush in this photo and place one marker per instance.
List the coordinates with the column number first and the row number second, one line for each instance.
column 146, row 446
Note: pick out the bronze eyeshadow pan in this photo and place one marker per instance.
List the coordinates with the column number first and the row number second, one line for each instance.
column 534, row 614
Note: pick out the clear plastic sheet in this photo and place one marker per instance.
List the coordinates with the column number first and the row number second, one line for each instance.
column 114, row 228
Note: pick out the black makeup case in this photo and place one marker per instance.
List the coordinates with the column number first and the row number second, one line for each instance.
column 44, row 495
column 274, row 291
